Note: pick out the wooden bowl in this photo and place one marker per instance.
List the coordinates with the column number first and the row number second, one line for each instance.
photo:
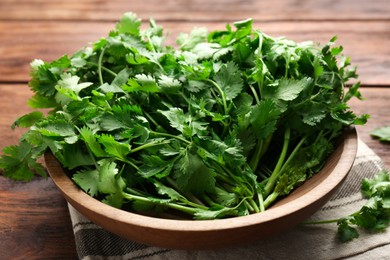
column 207, row 234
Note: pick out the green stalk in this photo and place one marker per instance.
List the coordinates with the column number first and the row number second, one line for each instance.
column 103, row 68
column 151, row 119
column 321, row 222
column 292, row 155
column 100, row 66
column 260, row 149
column 148, row 145
column 171, row 136
column 255, row 94
column 256, row 157
column 249, row 206
column 261, row 201
column 221, row 93
column 254, row 205
column 185, row 209
column 276, row 172
column 270, row 198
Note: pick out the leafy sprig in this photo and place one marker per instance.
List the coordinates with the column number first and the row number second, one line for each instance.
column 374, row 216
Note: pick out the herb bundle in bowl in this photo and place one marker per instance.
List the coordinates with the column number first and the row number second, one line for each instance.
column 221, row 125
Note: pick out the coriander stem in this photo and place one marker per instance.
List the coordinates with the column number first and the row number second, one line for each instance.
column 255, row 94
column 188, row 210
column 293, row 153
column 276, row 172
column 249, row 206
column 103, row 68
column 320, row 222
column 130, row 163
column 147, row 145
column 254, row 205
column 100, row 66
column 151, row 118
column 261, row 201
column 171, row 136
column 270, row 198
column 256, row 157
column 221, row 93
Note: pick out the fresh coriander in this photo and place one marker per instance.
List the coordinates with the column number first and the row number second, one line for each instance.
column 220, row 126
column 374, row 216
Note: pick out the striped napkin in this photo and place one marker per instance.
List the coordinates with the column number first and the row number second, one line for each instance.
column 303, row 242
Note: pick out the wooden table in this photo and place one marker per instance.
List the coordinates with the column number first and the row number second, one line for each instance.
column 34, row 219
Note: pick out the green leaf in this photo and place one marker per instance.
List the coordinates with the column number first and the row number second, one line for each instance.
column 90, row 139
column 193, row 175
column 70, row 82
column 129, row 24
column 383, row 133
column 55, row 128
column 107, row 176
column 176, row 117
column 169, row 84
column 38, row 101
column 264, row 117
column 286, row 89
column 188, row 42
column 19, row 162
column 88, row 181
column 114, row 148
column 229, row 79
column 164, row 190
column 28, row 119
column 74, row 155
column 345, row 232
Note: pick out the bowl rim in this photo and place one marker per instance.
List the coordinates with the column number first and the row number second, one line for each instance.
column 73, row 193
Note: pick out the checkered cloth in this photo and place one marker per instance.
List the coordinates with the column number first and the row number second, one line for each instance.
column 303, row 242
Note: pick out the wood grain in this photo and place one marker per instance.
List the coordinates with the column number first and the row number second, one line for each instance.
column 196, row 10
column 21, row 42
column 34, row 221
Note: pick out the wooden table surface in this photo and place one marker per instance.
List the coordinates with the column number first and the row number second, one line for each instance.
column 34, row 219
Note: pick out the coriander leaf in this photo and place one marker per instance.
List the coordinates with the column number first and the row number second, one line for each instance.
column 129, row 24
column 286, row 89
column 188, row 42
column 207, row 50
column 89, row 138
column 345, row 232
column 193, row 175
column 229, row 79
column 55, row 128
column 88, row 181
column 68, row 81
column 176, row 117
column 19, row 162
column 74, row 155
column 114, row 148
column 164, row 190
column 214, row 214
column 38, row 101
column 353, row 91
column 107, row 176
column 264, row 117
column 169, row 84
column 28, row 119
column 141, row 82
column 383, row 133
